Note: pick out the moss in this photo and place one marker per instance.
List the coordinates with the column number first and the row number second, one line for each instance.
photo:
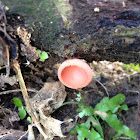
column 126, row 32
column 65, row 10
column 43, row 17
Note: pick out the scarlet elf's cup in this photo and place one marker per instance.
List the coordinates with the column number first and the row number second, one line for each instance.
column 75, row 73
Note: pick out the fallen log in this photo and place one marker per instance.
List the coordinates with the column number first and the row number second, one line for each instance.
column 111, row 33
column 96, row 30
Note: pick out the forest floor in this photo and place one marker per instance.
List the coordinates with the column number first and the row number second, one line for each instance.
column 111, row 79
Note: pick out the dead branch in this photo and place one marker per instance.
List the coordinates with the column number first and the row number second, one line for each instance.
column 102, row 86
column 30, row 108
column 17, row 90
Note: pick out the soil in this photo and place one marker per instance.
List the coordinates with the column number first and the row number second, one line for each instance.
column 111, row 78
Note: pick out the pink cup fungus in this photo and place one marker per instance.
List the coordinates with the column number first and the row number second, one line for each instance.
column 75, row 73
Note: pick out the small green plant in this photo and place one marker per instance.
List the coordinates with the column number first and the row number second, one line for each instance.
column 43, row 55
column 29, row 119
column 130, row 67
column 22, row 111
column 106, row 110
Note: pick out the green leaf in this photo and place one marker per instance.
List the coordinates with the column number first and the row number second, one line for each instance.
column 94, row 135
column 17, row 102
column 38, row 52
column 115, row 102
column 117, row 125
column 79, row 137
column 29, row 119
column 81, row 106
column 82, row 131
column 95, row 122
column 126, row 66
column 102, row 106
column 112, row 104
column 22, row 112
column 123, row 107
column 88, row 111
column 117, row 135
column 87, row 123
column 104, row 110
column 77, row 126
column 79, row 97
column 44, row 55
column 136, row 68
column 72, row 131
column 132, row 66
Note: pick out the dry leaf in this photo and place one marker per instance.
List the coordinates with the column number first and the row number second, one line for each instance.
column 26, row 48
column 8, row 80
column 50, row 97
column 52, row 127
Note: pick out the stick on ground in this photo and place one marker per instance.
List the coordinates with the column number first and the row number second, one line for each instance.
column 30, row 108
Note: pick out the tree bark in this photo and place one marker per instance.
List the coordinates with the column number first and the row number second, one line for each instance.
column 98, row 30
column 112, row 33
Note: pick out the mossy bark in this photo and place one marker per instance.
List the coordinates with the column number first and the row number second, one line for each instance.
column 112, row 34
column 119, row 44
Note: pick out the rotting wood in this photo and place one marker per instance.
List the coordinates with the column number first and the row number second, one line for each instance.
column 110, row 34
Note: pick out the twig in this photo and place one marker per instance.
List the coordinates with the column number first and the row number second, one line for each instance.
column 23, row 135
column 26, row 132
column 17, row 90
column 30, row 108
column 102, row 86
column 136, row 92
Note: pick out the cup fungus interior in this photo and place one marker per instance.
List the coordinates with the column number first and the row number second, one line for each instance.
column 74, row 76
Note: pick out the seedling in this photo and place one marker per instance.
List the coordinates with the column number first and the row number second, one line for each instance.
column 106, row 110
column 130, row 67
column 43, row 55
column 29, row 119
column 22, row 111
